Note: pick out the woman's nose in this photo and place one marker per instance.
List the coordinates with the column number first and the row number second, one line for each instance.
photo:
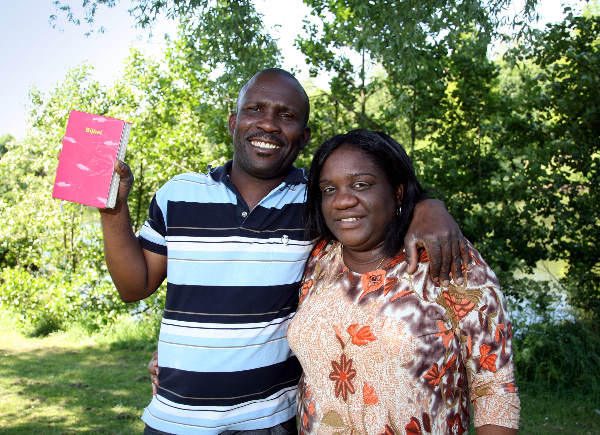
column 344, row 199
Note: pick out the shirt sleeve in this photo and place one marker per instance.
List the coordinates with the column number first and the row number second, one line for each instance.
column 487, row 351
column 153, row 232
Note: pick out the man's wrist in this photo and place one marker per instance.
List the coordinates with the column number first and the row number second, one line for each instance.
column 426, row 202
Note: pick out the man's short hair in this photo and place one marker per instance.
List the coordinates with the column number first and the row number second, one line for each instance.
column 281, row 72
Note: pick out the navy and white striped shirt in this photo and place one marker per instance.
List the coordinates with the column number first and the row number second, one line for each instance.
column 232, row 288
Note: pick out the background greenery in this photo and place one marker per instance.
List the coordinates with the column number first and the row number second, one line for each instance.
column 508, row 137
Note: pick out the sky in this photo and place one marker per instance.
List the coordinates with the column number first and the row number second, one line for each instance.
column 35, row 55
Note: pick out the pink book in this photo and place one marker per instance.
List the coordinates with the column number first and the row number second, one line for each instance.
column 85, row 171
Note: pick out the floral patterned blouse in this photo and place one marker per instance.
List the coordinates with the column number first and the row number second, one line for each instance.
column 389, row 353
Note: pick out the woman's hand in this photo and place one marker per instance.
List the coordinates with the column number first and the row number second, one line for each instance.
column 434, row 229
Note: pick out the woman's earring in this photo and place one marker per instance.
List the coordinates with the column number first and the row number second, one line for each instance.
column 398, row 211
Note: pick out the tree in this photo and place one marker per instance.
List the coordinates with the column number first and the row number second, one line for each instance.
column 511, row 145
column 4, row 140
column 410, row 43
column 564, row 98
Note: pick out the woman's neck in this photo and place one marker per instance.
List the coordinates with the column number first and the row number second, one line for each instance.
column 365, row 261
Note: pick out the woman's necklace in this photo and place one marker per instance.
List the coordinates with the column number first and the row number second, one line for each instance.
column 380, row 263
column 381, row 260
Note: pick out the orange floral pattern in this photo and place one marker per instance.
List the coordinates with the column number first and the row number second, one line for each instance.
column 361, row 336
column 487, row 360
column 306, row 407
column 414, row 427
column 306, row 285
column 419, row 352
column 460, row 307
column 372, row 281
column 342, row 374
column 445, row 333
column 369, row 396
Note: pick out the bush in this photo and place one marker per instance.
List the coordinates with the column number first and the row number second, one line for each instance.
column 132, row 333
column 558, row 357
column 44, row 303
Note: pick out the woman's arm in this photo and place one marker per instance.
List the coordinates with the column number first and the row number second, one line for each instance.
column 486, row 348
column 490, row 429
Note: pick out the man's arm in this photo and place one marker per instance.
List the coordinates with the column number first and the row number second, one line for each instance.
column 136, row 272
column 433, row 228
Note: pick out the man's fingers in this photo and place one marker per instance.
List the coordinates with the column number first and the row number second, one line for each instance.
column 410, row 248
column 446, row 254
column 465, row 253
column 122, row 169
column 457, row 263
column 434, row 253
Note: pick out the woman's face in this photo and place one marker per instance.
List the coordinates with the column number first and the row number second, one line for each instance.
column 357, row 201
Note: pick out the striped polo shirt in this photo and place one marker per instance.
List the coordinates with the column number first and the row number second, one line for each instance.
column 232, row 288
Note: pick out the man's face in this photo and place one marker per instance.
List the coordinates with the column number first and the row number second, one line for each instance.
column 269, row 128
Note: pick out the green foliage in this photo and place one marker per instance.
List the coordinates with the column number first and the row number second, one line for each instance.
column 4, row 139
column 410, row 43
column 556, row 119
column 568, row 54
column 43, row 303
column 179, row 107
column 511, row 145
column 558, row 357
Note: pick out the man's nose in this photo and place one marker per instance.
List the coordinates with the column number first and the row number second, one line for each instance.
column 269, row 121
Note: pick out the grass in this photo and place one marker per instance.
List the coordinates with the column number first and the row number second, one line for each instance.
column 552, row 413
column 71, row 383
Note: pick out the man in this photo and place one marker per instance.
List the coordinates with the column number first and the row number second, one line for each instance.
column 232, row 247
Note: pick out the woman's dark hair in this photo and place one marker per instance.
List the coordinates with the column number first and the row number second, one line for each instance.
column 390, row 157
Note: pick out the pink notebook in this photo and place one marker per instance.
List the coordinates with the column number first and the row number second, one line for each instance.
column 85, row 171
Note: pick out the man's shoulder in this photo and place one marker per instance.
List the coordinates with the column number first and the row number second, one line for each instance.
column 191, row 177
column 185, row 178
column 185, row 183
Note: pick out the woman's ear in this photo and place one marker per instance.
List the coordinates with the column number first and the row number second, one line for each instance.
column 399, row 194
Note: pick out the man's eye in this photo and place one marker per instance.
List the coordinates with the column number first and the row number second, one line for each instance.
column 286, row 115
column 327, row 190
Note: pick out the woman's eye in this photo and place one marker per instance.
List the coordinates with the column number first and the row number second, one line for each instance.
column 360, row 185
column 327, row 190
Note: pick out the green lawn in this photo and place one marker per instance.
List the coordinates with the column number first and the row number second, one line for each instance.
column 70, row 383
column 65, row 384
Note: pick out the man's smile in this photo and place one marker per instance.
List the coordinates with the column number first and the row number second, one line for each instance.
column 264, row 145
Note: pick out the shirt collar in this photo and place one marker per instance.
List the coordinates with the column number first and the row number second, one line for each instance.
column 294, row 176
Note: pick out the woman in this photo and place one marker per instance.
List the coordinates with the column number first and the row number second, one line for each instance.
column 384, row 351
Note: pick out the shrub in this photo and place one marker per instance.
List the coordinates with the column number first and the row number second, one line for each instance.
column 558, row 357
column 44, row 303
